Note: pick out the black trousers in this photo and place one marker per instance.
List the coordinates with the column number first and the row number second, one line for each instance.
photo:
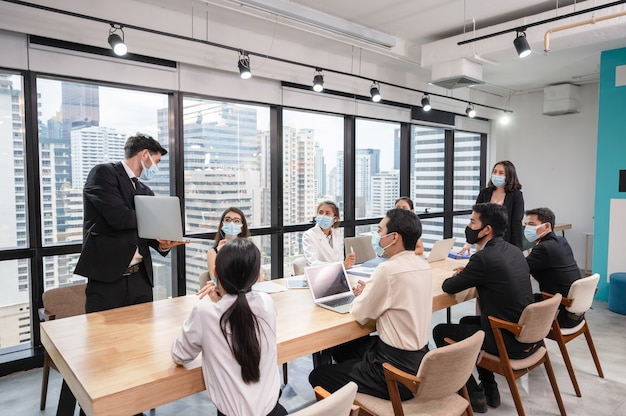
column 278, row 410
column 361, row 361
column 129, row 290
column 467, row 326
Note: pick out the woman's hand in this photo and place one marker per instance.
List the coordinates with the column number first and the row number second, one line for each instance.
column 209, row 290
column 221, row 243
column 466, row 249
column 349, row 261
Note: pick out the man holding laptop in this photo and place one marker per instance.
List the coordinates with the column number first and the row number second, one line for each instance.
column 399, row 297
column 114, row 259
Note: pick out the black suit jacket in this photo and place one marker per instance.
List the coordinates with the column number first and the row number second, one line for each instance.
column 552, row 264
column 500, row 274
column 110, row 225
column 514, row 204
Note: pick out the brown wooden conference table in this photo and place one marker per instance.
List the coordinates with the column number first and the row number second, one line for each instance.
column 118, row 362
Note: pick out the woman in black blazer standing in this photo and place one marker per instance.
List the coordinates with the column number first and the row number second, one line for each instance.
column 505, row 189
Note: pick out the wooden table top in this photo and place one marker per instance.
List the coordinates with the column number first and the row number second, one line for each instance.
column 118, row 361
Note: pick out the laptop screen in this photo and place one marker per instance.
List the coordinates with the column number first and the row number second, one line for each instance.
column 327, row 280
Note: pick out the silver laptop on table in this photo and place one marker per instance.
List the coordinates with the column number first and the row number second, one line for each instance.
column 159, row 217
column 329, row 286
column 440, row 250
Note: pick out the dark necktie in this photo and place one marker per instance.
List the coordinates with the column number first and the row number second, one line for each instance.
column 138, row 186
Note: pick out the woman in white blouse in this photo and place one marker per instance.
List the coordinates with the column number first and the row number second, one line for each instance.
column 323, row 243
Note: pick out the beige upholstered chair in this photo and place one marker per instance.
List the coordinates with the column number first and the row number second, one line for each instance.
column 299, row 263
column 578, row 300
column 532, row 327
column 441, row 377
column 61, row 302
column 362, row 246
column 340, row 403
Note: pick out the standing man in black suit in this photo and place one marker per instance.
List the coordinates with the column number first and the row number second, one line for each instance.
column 500, row 273
column 116, row 262
column 551, row 261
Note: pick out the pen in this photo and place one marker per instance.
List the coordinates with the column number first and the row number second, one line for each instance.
column 352, row 249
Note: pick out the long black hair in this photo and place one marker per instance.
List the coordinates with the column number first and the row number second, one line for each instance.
column 237, row 267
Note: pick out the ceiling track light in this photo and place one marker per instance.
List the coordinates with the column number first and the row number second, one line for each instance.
column 375, row 92
column 471, row 113
column 505, row 119
column 116, row 41
column 318, row 81
column 426, row 102
column 521, row 45
column 244, row 65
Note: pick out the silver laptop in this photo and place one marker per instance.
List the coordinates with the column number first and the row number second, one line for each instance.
column 441, row 249
column 329, row 286
column 361, row 246
column 159, row 217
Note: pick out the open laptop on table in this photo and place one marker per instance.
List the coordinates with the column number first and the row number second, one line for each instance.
column 329, row 286
column 159, row 217
column 440, row 250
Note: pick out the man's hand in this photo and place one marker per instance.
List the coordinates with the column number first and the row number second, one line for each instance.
column 165, row 245
column 358, row 289
column 350, row 259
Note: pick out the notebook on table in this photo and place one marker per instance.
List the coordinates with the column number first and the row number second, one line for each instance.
column 159, row 217
column 329, row 286
column 440, row 250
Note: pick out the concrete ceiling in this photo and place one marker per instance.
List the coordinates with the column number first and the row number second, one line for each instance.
column 427, row 32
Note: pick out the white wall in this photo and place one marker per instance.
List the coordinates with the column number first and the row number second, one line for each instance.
column 555, row 157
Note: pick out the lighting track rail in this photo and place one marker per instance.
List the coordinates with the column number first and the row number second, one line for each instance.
column 250, row 53
column 542, row 22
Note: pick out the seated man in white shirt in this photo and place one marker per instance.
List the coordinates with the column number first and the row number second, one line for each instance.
column 399, row 297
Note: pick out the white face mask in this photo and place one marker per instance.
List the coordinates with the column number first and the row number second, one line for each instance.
column 148, row 173
column 530, row 232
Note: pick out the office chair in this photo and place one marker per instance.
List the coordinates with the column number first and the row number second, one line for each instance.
column 439, row 385
column 532, row 327
column 578, row 300
column 58, row 303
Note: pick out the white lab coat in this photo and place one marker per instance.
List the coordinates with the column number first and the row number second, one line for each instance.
column 317, row 248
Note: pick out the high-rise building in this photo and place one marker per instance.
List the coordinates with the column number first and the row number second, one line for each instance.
column 91, row 146
column 320, row 172
column 385, row 190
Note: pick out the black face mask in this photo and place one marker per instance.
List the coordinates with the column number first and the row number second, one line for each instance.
column 471, row 236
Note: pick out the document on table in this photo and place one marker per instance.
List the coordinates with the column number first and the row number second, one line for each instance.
column 361, row 271
column 268, row 287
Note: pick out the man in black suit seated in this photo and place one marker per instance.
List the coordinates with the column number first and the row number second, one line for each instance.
column 114, row 259
column 500, row 273
column 551, row 261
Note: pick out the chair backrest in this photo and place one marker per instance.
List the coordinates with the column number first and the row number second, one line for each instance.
column 204, row 278
column 299, row 263
column 446, row 369
column 65, row 301
column 537, row 319
column 337, row 404
column 362, row 246
column 583, row 291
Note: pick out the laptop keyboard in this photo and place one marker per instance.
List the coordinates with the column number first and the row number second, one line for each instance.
column 339, row 302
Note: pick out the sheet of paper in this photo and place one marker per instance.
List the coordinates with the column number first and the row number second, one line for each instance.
column 361, row 271
column 268, row 287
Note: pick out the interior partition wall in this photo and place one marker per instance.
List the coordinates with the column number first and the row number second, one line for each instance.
column 275, row 162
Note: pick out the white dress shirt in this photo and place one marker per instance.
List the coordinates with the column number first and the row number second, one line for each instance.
column 399, row 297
column 201, row 332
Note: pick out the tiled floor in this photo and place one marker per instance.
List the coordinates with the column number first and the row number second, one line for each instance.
column 19, row 392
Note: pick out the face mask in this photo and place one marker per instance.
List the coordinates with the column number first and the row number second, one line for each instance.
column 498, row 181
column 148, row 173
column 231, row 229
column 324, row 221
column 471, row 236
column 380, row 251
column 530, row 232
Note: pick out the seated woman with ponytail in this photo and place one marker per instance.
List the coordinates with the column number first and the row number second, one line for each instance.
column 236, row 332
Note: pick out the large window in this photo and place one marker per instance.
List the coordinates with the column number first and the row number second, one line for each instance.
column 466, row 178
column 226, row 164
column 81, row 125
column 377, row 167
column 427, row 169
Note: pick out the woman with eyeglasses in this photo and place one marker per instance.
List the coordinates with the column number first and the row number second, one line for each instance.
column 323, row 243
column 233, row 224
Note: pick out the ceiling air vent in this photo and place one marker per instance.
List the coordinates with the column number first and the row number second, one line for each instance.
column 456, row 82
column 456, row 74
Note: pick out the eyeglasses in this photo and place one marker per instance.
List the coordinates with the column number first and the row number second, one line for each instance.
column 233, row 220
